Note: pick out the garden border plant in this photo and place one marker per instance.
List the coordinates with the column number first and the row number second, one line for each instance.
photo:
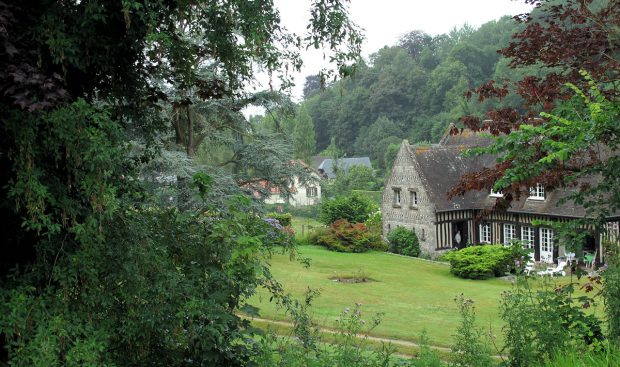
column 485, row 261
column 404, row 242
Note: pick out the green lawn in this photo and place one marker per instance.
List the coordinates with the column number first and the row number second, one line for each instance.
column 298, row 222
column 412, row 293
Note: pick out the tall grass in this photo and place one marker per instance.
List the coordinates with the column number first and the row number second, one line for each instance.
column 575, row 358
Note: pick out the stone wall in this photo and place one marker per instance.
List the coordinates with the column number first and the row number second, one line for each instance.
column 419, row 217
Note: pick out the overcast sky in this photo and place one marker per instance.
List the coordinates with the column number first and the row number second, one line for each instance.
column 384, row 21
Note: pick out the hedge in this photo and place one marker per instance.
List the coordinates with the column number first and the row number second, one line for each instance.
column 483, row 261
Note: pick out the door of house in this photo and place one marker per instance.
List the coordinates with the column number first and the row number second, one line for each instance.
column 460, row 240
column 546, row 245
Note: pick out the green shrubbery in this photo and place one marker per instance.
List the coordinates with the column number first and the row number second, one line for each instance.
column 403, row 241
column 547, row 320
column 470, row 348
column 283, row 218
column 354, row 208
column 484, row 261
column 343, row 236
column 307, row 211
column 348, row 346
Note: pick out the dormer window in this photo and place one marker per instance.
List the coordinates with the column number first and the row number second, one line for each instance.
column 537, row 192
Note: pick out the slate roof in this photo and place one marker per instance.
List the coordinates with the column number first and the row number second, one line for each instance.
column 327, row 166
column 317, row 160
column 441, row 165
column 440, row 168
column 467, row 138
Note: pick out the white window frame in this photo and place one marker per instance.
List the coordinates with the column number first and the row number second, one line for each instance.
column 537, row 192
column 397, row 198
column 485, row 232
column 496, row 194
column 546, row 242
column 510, row 233
column 312, row 192
column 528, row 237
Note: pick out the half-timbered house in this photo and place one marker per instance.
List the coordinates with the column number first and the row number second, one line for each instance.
column 415, row 197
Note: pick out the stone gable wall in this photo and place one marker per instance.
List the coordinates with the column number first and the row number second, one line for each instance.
column 420, row 218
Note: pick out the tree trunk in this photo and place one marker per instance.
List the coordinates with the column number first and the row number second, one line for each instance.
column 190, row 134
column 176, row 122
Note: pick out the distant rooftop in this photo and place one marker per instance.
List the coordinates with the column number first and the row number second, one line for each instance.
column 327, row 166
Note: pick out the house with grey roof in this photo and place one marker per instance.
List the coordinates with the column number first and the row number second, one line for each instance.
column 329, row 166
column 416, row 197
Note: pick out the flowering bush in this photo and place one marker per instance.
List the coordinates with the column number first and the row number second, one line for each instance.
column 350, row 237
column 277, row 234
column 283, row 218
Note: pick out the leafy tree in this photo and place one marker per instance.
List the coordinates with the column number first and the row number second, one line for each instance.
column 312, row 84
column 415, row 42
column 362, row 178
column 94, row 271
column 578, row 124
column 356, row 178
column 303, row 135
column 577, row 136
column 375, row 139
column 390, row 155
column 354, row 208
column 332, row 151
column 418, row 85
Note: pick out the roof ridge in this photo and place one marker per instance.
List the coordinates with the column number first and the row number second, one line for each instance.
column 446, row 134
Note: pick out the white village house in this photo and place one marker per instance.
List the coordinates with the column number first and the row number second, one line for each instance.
column 301, row 193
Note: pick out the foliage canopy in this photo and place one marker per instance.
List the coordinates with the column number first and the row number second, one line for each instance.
column 95, row 269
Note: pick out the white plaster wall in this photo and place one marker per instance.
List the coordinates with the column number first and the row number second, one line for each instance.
column 299, row 197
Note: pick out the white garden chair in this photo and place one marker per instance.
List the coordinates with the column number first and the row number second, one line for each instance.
column 529, row 268
column 558, row 270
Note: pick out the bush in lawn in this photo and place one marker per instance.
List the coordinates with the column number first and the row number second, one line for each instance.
column 480, row 262
column 354, row 208
column 546, row 319
column 403, row 241
column 283, row 218
column 470, row 349
column 343, row 236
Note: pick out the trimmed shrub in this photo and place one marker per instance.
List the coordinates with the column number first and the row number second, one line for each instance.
column 283, row 218
column 403, row 241
column 343, row 236
column 480, row 262
column 354, row 208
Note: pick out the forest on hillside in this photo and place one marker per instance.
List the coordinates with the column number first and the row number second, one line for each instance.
column 411, row 90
